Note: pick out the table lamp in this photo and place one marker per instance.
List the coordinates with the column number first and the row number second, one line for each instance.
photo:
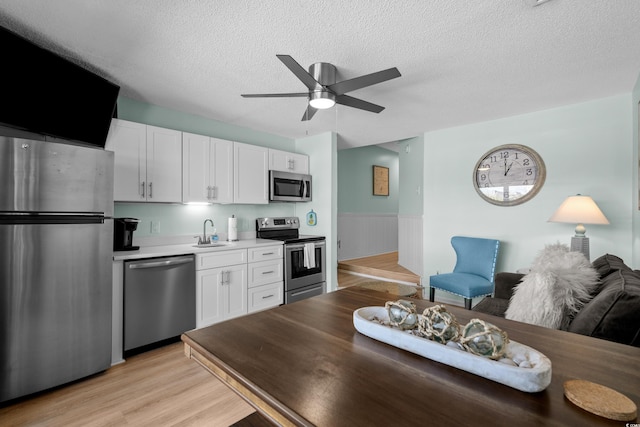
column 579, row 210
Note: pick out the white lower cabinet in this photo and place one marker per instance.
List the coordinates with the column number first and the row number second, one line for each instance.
column 265, row 296
column 221, row 286
column 266, row 285
column 232, row 283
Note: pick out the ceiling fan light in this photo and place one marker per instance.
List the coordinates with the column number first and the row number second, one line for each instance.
column 322, row 100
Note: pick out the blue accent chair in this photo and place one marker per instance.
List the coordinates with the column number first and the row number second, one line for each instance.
column 474, row 271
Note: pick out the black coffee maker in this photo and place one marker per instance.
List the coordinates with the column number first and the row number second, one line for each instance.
column 123, row 229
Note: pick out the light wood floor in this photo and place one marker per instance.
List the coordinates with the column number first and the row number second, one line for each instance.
column 157, row 388
column 162, row 387
column 384, row 266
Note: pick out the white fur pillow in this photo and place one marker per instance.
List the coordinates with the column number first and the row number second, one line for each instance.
column 559, row 284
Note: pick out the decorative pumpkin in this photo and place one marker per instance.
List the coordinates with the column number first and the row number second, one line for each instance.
column 402, row 314
column 439, row 325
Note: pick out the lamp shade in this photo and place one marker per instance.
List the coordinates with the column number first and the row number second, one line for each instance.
column 579, row 210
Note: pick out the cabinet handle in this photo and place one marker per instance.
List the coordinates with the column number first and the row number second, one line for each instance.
column 267, row 253
column 268, row 296
column 214, row 192
column 143, row 188
column 208, row 191
column 222, row 277
column 150, row 190
column 267, row 272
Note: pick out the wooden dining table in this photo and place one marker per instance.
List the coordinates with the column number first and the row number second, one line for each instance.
column 305, row 364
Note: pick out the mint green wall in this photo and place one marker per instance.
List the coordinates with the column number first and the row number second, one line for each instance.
column 588, row 148
column 187, row 220
column 322, row 153
column 411, row 157
column 182, row 220
column 137, row 111
column 355, row 175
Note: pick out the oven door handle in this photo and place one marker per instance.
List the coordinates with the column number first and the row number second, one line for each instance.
column 301, row 245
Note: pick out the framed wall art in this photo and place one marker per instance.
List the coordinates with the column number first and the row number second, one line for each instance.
column 380, row 181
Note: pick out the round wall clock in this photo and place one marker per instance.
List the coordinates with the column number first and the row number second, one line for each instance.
column 509, row 175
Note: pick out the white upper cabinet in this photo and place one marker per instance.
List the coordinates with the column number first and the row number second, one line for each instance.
column 288, row 162
column 128, row 141
column 207, row 169
column 147, row 162
column 250, row 174
column 164, row 165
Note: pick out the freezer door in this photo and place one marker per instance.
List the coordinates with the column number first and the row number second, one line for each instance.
column 37, row 176
column 55, row 304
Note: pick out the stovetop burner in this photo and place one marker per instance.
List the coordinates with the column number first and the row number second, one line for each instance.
column 282, row 228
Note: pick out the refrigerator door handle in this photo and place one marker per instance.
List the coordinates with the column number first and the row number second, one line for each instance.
column 52, row 218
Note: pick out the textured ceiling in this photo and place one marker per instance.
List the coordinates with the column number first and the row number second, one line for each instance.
column 461, row 61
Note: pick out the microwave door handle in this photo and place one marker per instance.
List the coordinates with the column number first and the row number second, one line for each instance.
column 304, row 188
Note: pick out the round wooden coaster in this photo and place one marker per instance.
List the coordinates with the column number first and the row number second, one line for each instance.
column 600, row 400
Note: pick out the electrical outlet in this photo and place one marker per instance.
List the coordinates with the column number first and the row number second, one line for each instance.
column 155, row 227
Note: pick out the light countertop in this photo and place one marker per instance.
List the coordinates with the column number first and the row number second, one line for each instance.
column 189, row 248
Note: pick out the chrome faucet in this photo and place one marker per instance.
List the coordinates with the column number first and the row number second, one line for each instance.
column 204, row 240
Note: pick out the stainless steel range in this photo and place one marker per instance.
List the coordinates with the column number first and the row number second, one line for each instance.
column 304, row 257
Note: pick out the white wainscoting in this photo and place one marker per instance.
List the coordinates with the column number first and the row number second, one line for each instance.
column 410, row 243
column 361, row 235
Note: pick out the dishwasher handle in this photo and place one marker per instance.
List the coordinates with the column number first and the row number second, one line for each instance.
column 163, row 263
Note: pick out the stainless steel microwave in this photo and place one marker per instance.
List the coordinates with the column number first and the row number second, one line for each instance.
column 289, row 187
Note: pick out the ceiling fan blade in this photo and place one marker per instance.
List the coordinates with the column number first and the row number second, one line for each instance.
column 308, row 113
column 274, row 95
column 345, row 86
column 300, row 72
column 350, row 101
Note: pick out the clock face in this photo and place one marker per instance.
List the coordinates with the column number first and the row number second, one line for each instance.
column 509, row 175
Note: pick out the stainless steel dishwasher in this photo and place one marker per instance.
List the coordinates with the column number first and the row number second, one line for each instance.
column 159, row 299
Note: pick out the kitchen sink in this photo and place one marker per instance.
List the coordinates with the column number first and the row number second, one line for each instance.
column 210, row 245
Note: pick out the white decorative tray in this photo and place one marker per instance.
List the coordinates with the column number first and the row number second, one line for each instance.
column 531, row 380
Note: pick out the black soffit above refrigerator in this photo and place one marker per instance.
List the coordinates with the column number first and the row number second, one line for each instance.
column 47, row 97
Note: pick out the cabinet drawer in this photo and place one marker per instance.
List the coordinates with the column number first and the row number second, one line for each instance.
column 264, row 253
column 221, row 259
column 265, row 296
column 264, row 272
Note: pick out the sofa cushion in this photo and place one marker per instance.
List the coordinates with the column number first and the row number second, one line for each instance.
column 608, row 263
column 614, row 313
column 505, row 283
column 559, row 284
column 493, row 306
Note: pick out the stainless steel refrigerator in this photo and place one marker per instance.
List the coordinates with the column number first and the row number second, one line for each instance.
column 56, row 249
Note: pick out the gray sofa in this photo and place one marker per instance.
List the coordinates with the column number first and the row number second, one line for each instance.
column 612, row 314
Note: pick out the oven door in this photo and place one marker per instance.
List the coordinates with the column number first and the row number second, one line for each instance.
column 296, row 274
